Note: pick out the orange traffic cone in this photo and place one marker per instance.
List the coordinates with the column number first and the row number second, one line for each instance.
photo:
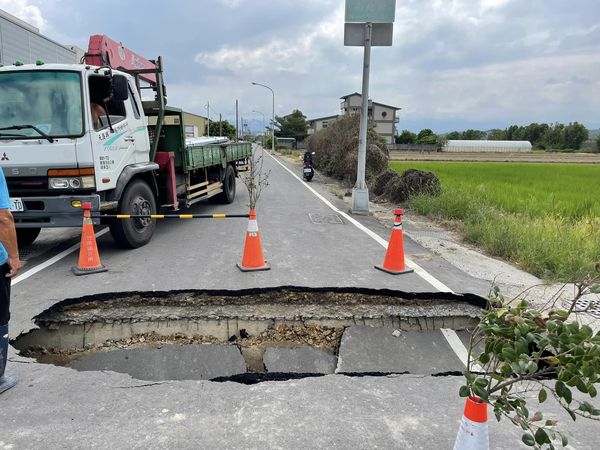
column 253, row 259
column 89, row 259
column 394, row 257
column 473, row 430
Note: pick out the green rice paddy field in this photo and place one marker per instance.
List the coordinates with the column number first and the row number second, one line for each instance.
column 543, row 217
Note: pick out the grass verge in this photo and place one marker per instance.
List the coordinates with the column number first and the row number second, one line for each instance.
column 543, row 217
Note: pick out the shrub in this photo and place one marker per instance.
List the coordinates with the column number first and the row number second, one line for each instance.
column 336, row 149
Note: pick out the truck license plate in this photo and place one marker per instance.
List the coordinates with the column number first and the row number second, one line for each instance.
column 16, row 205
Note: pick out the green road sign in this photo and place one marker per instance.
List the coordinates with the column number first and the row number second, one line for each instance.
column 376, row 11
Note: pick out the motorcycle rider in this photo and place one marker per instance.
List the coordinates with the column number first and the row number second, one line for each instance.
column 308, row 159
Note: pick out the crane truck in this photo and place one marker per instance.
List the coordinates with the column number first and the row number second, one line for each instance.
column 98, row 132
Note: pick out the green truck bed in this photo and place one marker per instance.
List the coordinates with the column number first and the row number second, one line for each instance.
column 200, row 156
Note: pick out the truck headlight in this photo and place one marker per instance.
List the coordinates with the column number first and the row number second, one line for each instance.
column 71, row 179
column 58, row 183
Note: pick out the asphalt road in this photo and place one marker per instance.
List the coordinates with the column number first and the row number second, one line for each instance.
column 58, row 407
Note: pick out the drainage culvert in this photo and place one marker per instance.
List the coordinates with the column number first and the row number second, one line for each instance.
column 253, row 335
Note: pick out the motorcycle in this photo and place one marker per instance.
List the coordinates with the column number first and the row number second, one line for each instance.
column 308, row 172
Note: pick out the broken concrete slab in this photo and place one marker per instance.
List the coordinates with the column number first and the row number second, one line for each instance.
column 303, row 359
column 170, row 362
column 377, row 350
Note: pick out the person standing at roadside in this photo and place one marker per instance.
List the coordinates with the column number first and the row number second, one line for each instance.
column 9, row 266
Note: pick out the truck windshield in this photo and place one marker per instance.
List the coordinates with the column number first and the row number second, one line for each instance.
column 48, row 100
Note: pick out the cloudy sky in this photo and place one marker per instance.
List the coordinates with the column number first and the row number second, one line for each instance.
column 454, row 64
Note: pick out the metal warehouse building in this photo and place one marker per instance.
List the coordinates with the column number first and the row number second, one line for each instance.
column 20, row 41
column 487, row 146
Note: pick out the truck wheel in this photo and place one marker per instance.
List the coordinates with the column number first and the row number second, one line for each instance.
column 26, row 236
column 228, row 194
column 133, row 233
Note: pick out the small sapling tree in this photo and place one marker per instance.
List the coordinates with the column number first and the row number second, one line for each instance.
column 256, row 179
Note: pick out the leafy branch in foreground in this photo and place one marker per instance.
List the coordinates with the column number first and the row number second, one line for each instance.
column 527, row 350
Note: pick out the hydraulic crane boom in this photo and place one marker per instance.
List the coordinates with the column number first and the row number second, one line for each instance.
column 103, row 51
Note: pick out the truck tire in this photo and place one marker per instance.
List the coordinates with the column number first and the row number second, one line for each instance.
column 133, row 233
column 228, row 194
column 26, row 236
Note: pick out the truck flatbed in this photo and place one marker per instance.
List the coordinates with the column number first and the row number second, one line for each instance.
column 200, row 156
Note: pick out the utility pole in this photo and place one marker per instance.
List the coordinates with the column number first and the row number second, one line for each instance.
column 220, row 126
column 208, row 115
column 366, row 24
column 237, row 130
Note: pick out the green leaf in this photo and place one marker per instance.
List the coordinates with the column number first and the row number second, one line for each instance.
column 567, row 395
column 481, row 382
column 528, row 440
column 581, row 386
column 464, row 391
column 543, row 395
column 509, row 353
column 541, row 437
column 586, row 332
column 484, row 358
column 572, row 414
column 586, row 407
column 592, row 391
column 559, row 387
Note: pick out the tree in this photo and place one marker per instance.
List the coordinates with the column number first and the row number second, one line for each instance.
column 574, row 135
column 426, row 136
column 598, row 143
column 496, row 135
column 223, row 128
column 473, row 135
column 293, row 125
column 454, row 136
column 406, row 137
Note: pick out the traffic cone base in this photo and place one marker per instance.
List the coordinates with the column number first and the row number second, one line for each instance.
column 253, row 269
column 253, row 259
column 394, row 272
column 78, row 271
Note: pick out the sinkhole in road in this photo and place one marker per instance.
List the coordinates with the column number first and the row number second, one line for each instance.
column 249, row 335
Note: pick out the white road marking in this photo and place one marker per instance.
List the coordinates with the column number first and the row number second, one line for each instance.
column 437, row 284
column 459, row 348
column 51, row 261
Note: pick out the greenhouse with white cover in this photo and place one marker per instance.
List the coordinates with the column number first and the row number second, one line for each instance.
column 487, row 146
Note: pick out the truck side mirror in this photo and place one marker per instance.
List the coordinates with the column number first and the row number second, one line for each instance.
column 120, row 88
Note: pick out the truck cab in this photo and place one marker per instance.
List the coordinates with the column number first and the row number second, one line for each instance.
column 74, row 133
column 67, row 132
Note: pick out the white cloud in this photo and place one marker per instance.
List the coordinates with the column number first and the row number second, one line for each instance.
column 25, row 11
column 232, row 3
column 296, row 51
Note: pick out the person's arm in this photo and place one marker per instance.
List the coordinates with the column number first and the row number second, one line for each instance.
column 8, row 238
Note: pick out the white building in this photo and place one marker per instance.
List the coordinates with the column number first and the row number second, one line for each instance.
column 487, row 146
column 319, row 123
column 20, row 41
column 381, row 117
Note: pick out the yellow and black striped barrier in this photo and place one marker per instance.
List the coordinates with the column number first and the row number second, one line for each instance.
column 170, row 216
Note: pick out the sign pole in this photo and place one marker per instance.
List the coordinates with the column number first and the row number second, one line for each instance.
column 360, row 192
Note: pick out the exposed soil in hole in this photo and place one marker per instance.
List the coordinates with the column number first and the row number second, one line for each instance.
column 222, row 334
column 326, row 339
